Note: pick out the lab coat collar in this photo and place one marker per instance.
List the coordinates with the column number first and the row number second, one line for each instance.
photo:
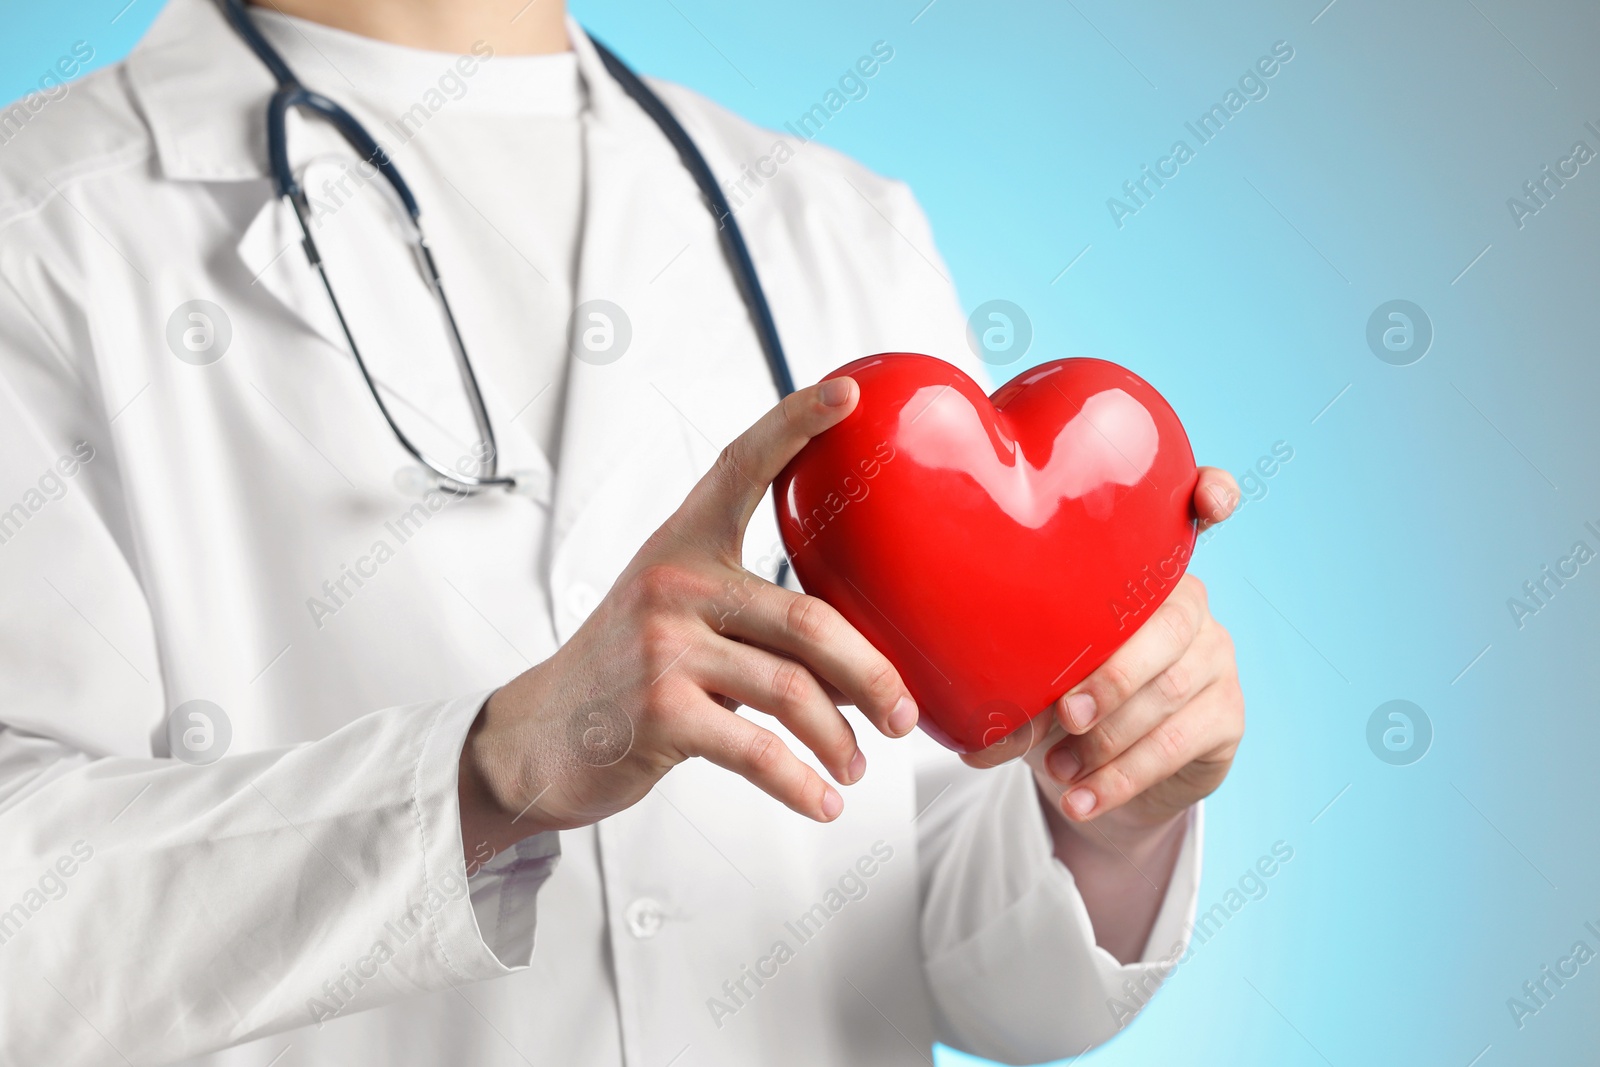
column 208, row 124
column 648, row 246
column 204, row 94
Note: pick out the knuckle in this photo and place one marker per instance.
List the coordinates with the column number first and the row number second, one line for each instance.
column 661, row 645
column 664, row 705
column 843, row 746
column 1116, row 785
column 883, row 683
column 731, row 464
column 1117, row 681
column 791, row 686
column 1224, row 640
column 663, row 585
column 1234, row 710
column 1170, row 739
column 1099, row 745
column 840, row 744
column 764, row 753
column 731, row 600
column 1214, row 652
column 809, row 619
column 1224, row 664
column 1180, row 620
column 791, row 410
column 1174, row 684
column 809, row 791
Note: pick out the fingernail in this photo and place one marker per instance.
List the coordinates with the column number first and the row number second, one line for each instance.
column 903, row 717
column 835, row 391
column 1081, row 801
column 832, row 803
column 858, row 767
column 1080, row 710
column 1062, row 764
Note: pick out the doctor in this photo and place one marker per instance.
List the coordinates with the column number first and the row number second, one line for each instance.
column 299, row 748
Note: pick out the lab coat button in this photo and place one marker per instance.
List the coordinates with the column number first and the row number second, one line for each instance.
column 644, row 917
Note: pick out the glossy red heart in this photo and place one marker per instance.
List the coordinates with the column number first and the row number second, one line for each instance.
column 995, row 550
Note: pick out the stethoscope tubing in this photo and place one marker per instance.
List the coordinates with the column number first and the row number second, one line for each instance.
column 291, row 95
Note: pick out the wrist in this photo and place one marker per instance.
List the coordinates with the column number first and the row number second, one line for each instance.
column 491, row 812
column 1125, row 831
column 1122, row 865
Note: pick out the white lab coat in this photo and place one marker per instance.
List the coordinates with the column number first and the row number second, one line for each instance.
column 153, row 910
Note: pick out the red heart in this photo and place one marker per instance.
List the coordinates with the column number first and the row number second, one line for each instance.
column 995, row 550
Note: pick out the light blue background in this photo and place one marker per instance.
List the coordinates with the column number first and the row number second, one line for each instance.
column 1380, row 560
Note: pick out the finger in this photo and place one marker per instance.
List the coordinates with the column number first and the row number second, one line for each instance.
column 787, row 691
column 1216, row 494
column 721, row 503
column 1153, row 648
column 1074, row 756
column 1039, row 730
column 1194, row 733
column 736, row 744
column 810, row 631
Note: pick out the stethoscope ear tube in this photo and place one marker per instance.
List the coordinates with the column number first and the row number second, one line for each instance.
column 451, row 481
column 239, row 19
column 293, row 96
column 733, row 246
column 296, row 97
column 728, row 232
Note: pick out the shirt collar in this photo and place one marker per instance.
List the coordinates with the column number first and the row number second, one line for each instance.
column 204, row 94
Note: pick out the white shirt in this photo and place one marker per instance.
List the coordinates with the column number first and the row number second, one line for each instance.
column 208, row 510
column 493, row 150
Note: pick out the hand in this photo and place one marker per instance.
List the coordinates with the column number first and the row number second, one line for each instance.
column 684, row 636
column 1153, row 729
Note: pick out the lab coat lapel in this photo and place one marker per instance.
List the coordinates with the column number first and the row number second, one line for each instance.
column 204, row 96
column 270, row 251
column 639, row 428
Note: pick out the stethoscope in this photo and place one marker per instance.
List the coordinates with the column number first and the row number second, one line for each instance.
column 292, row 95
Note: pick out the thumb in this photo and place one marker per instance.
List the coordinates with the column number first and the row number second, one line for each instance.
column 1216, row 494
column 721, row 503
